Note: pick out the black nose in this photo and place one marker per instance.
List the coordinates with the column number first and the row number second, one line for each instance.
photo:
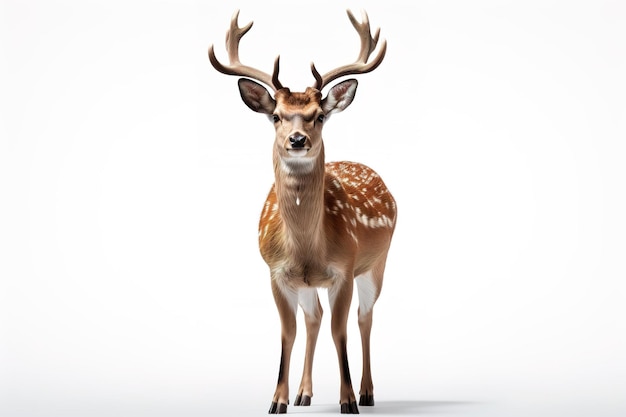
column 297, row 140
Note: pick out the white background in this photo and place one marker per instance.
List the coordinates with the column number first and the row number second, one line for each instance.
column 132, row 177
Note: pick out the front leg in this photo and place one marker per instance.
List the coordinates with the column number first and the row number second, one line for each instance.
column 340, row 296
column 310, row 303
column 287, row 303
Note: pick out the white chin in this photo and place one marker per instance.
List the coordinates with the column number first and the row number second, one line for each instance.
column 298, row 153
column 297, row 162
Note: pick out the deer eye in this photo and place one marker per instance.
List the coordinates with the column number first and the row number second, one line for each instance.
column 321, row 118
column 275, row 118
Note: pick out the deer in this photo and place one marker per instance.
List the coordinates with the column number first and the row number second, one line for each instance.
column 323, row 225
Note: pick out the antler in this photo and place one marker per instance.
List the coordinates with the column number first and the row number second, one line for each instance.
column 233, row 36
column 360, row 66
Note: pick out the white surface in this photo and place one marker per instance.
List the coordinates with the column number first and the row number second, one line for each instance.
column 132, row 178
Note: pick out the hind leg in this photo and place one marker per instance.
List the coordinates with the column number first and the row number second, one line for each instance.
column 340, row 296
column 366, row 393
column 369, row 285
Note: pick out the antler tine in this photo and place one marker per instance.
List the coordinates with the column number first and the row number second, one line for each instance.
column 360, row 66
column 233, row 37
column 368, row 43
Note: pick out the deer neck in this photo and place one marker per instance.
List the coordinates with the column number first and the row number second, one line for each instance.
column 300, row 194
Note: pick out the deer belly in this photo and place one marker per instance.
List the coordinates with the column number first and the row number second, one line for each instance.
column 302, row 276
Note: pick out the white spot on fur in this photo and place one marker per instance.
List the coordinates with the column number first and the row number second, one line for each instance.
column 352, row 235
column 263, row 233
column 363, row 219
column 266, row 208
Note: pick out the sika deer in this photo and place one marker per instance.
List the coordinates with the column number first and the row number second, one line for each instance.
column 324, row 225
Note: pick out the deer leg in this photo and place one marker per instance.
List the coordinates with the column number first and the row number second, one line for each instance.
column 366, row 394
column 286, row 302
column 340, row 296
column 368, row 286
column 312, row 308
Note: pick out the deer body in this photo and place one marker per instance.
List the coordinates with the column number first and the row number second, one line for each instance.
column 323, row 225
column 346, row 227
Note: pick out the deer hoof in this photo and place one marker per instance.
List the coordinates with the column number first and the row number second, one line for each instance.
column 303, row 400
column 349, row 408
column 366, row 400
column 278, row 408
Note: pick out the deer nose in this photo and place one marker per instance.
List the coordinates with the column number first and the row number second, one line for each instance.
column 297, row 140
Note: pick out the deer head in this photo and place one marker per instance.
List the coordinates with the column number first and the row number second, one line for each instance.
column 298, row 117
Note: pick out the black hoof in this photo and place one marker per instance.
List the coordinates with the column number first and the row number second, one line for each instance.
column 278, row 408
column 303, row 400
column 367, row 400
column 349, row 408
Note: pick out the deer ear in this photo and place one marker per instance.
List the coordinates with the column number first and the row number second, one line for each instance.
column 339, row 97
column 256, row 96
